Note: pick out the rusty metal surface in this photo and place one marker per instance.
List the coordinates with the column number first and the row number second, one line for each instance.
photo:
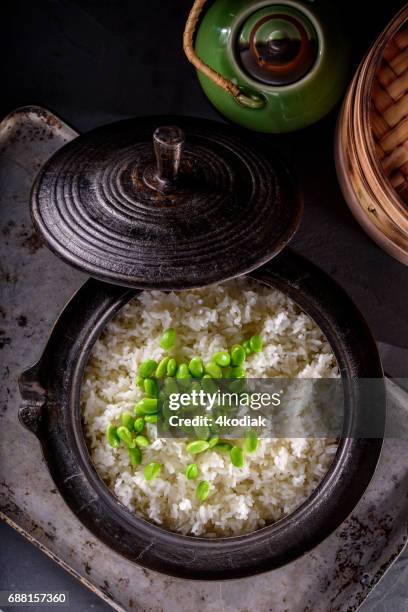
column 337, row 575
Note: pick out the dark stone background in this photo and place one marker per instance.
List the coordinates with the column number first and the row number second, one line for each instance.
column 95, row 61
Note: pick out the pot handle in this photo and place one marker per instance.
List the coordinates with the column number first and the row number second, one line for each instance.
column 250, row 101
column 34, row 398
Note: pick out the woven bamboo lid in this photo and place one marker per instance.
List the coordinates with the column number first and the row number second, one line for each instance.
column 389, row 112
column 372, row 140
column 165, row 202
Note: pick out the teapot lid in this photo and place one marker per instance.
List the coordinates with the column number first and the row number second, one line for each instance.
column 277, row 45
column 165, row 203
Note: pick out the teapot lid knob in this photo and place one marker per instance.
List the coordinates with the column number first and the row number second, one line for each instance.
column 277, row 45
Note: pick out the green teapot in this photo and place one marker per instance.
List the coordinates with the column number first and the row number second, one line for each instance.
column 270, row 66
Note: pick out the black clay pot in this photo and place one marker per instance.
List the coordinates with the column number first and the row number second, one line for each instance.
column 51, row 410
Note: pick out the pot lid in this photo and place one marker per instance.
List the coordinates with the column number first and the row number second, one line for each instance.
column 165, row 203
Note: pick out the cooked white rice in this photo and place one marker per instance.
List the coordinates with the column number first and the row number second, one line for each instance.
column 277, row 477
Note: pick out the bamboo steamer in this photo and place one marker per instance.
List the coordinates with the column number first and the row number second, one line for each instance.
column 372, row 140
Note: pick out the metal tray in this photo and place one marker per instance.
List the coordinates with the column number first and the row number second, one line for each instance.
column 336, row 575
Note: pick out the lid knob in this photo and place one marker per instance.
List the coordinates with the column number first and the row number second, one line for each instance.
column 277, row 45
column 168, row 143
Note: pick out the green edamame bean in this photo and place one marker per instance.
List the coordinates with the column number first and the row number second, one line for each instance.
column 197, row 446
column 195, row 386
column 125, row 435
column 147, row 405
column 208, row 385
column 152, row 470
column 162, row 367
column 140, row 382
column 191, row 471
column 247, row 347
column 127, row 420
column 166, row 412
column 168, row 338
column 147, row 368
column 222, row 358
column 213, row 441
column 213, row 370
column 138, row 409
column 187, row 429
column 238, row 372
column 256, row 343
column 251, row 442
column 151, row 418
column 183, row 375
column 142, row 441
column 237, row 456
column 170, row 386
column 196, row 367
column 150, row 405
column 203, row 490
column 202, row 431
column 112, row 436
column 223, row 447
column 171, row 367
column 238, row 355
column 237, row 386
column 150, row 386
column 139, row 424
column 183, row 371
column 227, row 372
column 135, row 456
